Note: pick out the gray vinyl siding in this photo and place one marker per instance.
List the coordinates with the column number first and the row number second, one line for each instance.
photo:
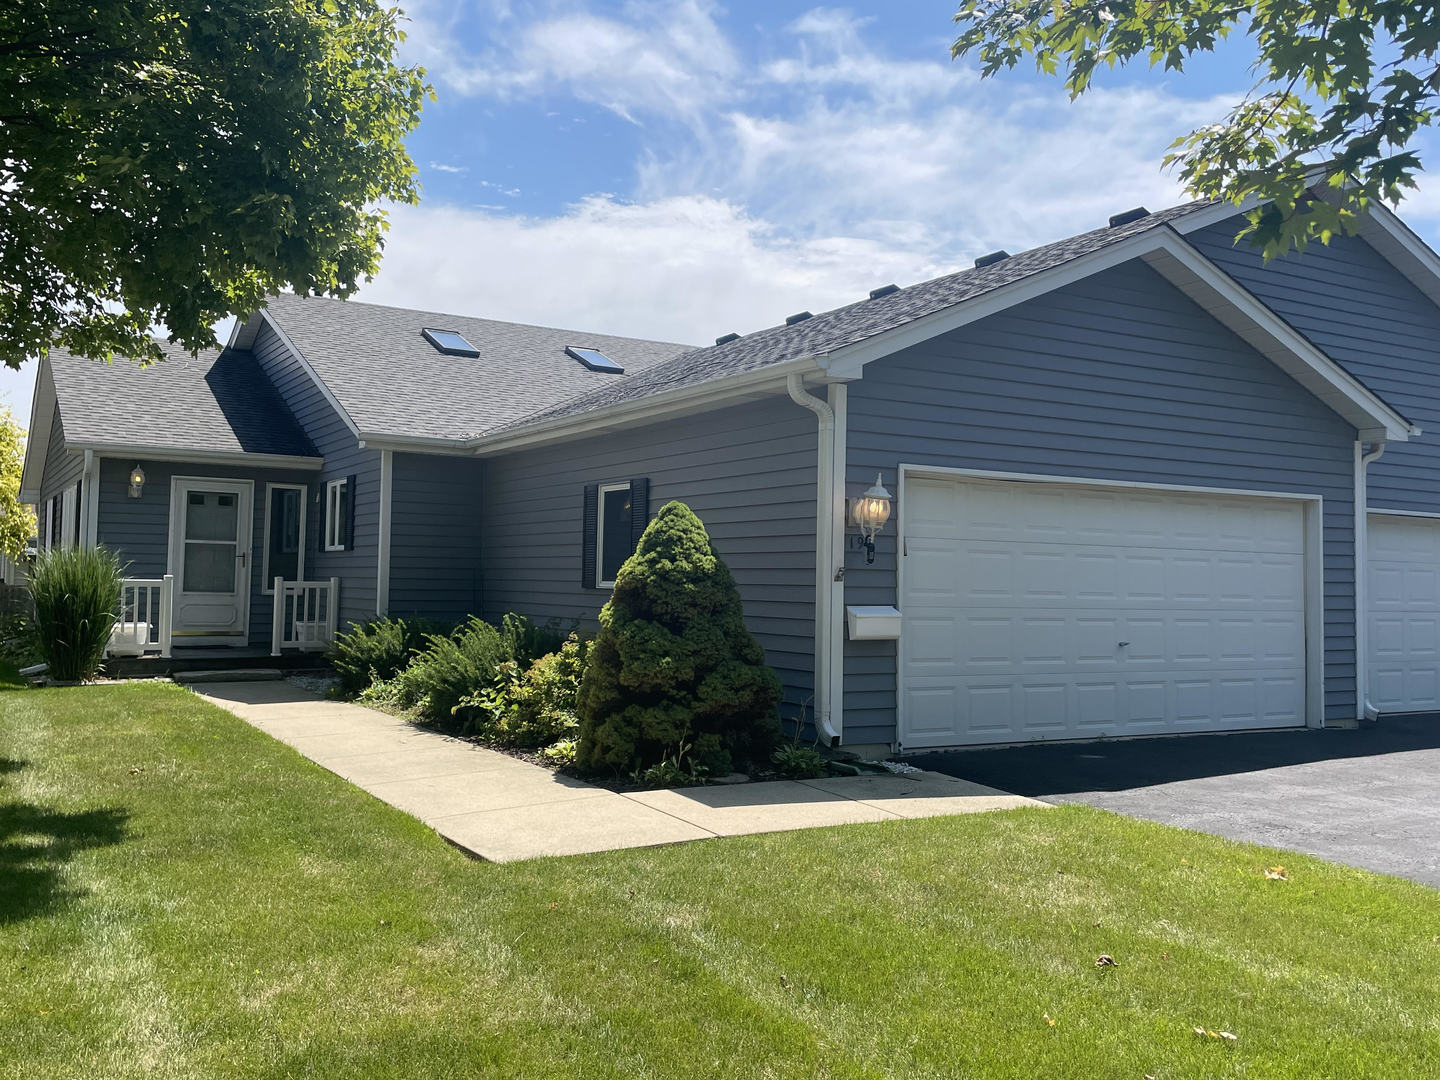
column 326, row 428
column 61, row 469
column 1118, row 377
column 435, row 536
column 138, row 530
column 748, row 472
column 1368, row 316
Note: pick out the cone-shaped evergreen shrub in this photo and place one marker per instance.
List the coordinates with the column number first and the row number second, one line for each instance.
column 674, row 665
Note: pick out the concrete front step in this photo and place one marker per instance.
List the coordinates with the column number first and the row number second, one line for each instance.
column 229, row 676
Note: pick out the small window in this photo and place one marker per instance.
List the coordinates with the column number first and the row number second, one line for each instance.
column 337, row 507
column 284, row 553
column 450, row 342
column 613, row 544
column 593, row 359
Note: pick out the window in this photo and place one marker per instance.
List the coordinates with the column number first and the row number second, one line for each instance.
column 284, row 552
column 69, row 518
column 450, row 342
column 593, row 359
column 337, row 514
column 613, row 543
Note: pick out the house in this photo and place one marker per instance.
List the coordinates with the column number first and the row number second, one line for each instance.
column 1134, row 474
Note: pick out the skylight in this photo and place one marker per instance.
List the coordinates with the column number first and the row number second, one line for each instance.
column 450, row 342
column 593, row 359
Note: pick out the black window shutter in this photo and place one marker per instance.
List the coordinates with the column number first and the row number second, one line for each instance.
column 639, row 510
column 350, row 513
column 588, row 521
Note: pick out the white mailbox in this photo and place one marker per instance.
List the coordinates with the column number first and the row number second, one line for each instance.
column 874, row 622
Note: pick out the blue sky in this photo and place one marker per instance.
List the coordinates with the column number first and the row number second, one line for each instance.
column 680, row 170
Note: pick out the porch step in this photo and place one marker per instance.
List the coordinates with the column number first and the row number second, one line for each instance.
column 230, row 675
column 213, row 659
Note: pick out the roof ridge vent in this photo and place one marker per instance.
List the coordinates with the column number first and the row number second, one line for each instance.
column 799, row 316
column 725, row 339
column 883, row 290
column 991, row 259
column 1125, row 217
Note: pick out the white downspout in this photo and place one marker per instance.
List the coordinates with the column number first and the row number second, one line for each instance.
column 824, row 547
column 1366, row 712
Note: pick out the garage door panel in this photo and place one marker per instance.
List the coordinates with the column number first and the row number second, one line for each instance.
column 1054, row 612
column 1403, row 618
column 1020, row 512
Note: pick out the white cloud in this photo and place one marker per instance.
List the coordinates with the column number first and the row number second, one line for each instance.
column 440, row 166
column 681, row 268
column 648, row 57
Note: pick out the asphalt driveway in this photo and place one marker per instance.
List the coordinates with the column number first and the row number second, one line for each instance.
column 1369, row 798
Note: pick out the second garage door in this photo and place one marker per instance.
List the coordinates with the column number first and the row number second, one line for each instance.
column 1404, row 601
column 1056, row 611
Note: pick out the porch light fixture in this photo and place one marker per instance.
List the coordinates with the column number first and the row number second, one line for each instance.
column 870, row 512
column 137, row 481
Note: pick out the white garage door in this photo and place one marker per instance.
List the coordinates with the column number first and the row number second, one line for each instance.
column 1404, row 616
column 1056, row 611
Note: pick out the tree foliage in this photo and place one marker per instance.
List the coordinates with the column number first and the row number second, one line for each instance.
column 17, row 521
column 176, row 161
column 1342, row 91
column 674, row 671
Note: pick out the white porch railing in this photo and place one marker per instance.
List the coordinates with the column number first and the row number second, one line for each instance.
column 306, row 614
column 146, row 609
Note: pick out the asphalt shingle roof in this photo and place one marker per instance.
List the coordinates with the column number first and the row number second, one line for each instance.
column 216, row 401
column 831, row 330
column 391, row 381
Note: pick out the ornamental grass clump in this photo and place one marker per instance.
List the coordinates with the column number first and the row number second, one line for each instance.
column 76, row 597
column 674, row 671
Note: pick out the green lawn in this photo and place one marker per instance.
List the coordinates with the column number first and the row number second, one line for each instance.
column 180, row 896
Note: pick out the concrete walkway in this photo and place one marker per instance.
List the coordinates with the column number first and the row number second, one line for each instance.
column 500, row 808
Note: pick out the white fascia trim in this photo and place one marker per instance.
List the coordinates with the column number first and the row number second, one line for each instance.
column 242, row 334
column 202, row 457
column 1398, row 245
column 1213, row 215
column 329, row 397
column 382, row 545
column 37, row 440
column 1167, row 253
column 689, row 399
column 1237, row 308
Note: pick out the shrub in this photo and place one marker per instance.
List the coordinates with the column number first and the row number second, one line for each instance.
column 450, row 668
column 674, row 671
column 76, row 597
column 799, row 762
column 561, row 755
column 376, row 651
column 527, row 642
column 536, row 707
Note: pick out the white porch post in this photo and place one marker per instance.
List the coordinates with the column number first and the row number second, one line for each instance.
column 167, row 613
column 277, row 618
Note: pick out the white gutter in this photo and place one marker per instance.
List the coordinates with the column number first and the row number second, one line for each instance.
column 825, row 567
column 1365, row 711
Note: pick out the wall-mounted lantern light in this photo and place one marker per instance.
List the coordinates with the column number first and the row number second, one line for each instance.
column 137, row 481
column 870, row 512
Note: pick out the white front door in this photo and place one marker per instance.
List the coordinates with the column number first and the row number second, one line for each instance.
column 1403, row 587
column 1054, row 611
column 210, row 529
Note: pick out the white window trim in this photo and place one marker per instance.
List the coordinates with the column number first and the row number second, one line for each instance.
column 334, row 492
column 267, row 583
column 600, row 582
column 69, row 507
